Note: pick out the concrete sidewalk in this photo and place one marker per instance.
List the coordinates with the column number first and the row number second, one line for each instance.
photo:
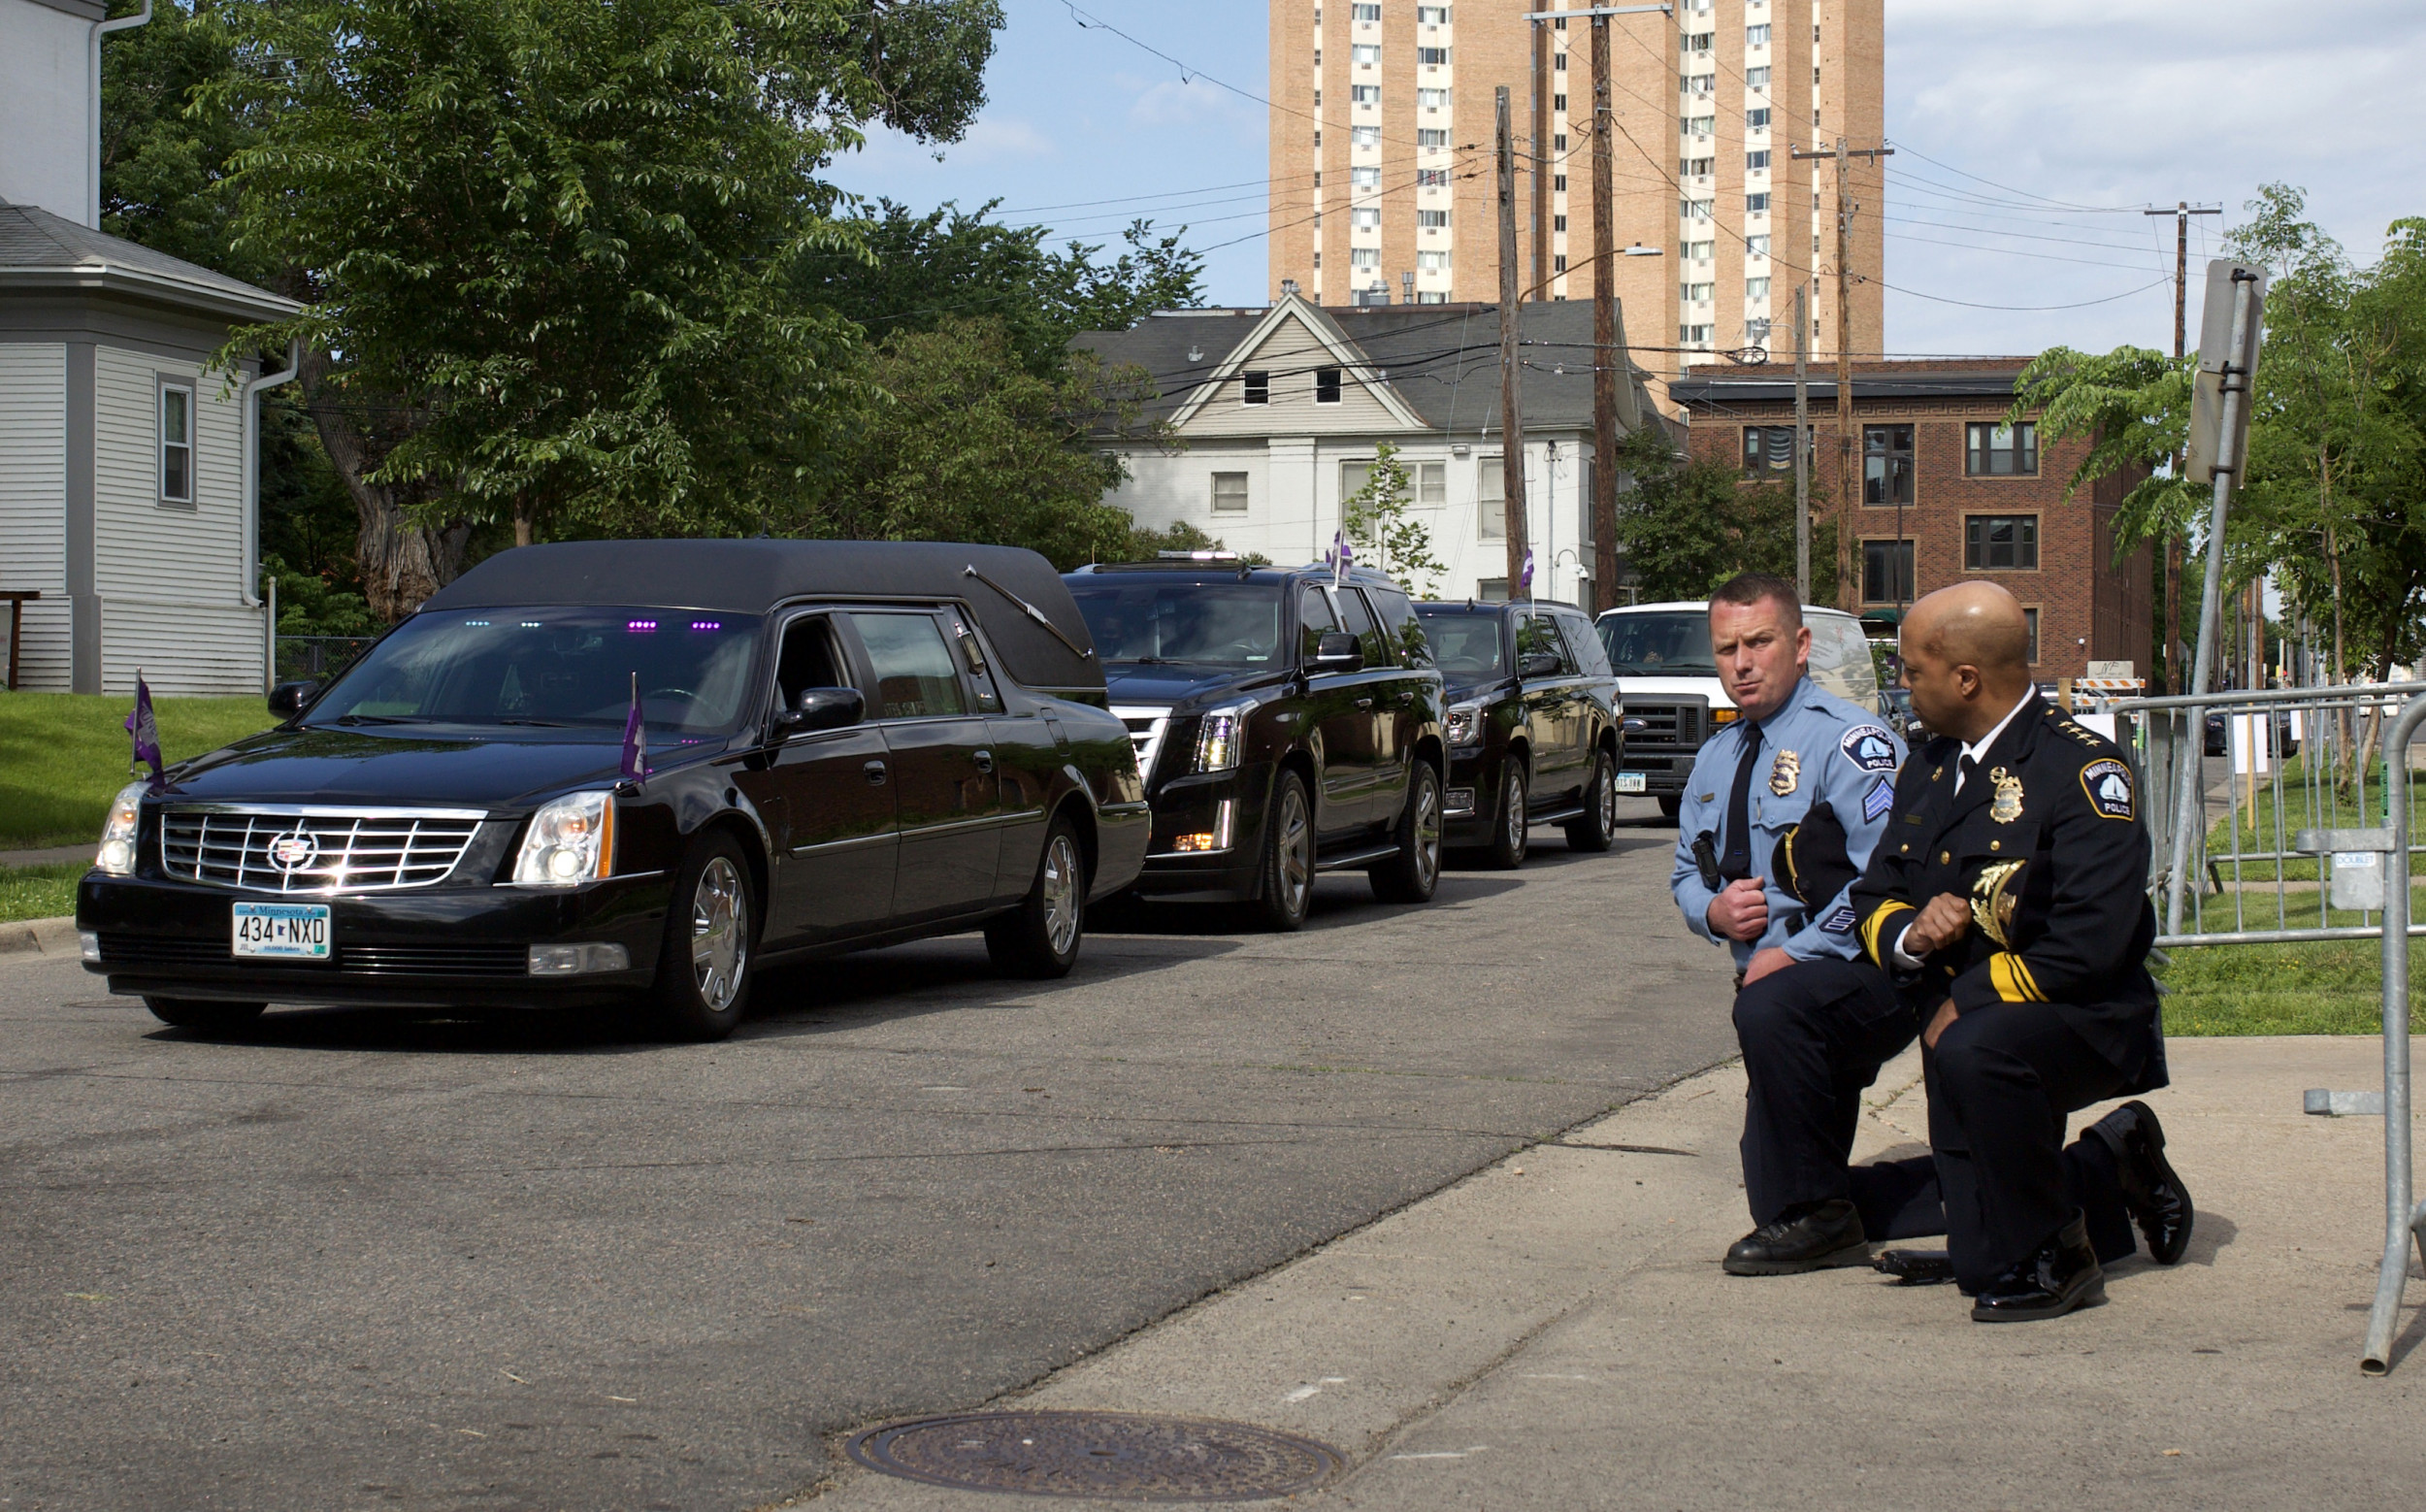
column 1555, row 1332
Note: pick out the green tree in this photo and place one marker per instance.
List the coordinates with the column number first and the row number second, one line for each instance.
column 1687, row 526
column 543, row 246
column 1376, row 521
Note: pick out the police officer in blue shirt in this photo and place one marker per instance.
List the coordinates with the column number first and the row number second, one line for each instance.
column 1780, row 817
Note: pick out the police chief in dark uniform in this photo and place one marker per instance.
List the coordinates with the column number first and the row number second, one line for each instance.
column 2007, row 902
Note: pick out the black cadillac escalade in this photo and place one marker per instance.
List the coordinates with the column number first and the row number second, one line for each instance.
column 839, row 745
column 1287, row 721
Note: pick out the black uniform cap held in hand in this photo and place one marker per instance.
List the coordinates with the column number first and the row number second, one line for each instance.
column 1811, row 861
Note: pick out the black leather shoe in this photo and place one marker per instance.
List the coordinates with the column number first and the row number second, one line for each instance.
column 2061, row 1277
column 1814, row 1238
column 1915, row 1267
column 2159, row 1203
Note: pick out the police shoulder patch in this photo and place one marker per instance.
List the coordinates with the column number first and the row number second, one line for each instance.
column 1869, row 748
column 1841, row 922
column 1879, row 799
column 2108, row 784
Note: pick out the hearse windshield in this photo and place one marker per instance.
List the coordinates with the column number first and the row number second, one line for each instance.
column 1659, row 643
column 1466, row 642
column 1198, row 624
column 563, row 666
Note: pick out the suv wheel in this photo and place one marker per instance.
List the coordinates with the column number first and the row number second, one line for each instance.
column 1411, row 875
column 1596, row 828
column 1039, row 938
column 204, row 1016
column 1671, row 805
column 1288, row 891
column 703, row 971
column 1511, row 836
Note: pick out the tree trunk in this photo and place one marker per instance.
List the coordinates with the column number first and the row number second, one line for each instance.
column 401, row 561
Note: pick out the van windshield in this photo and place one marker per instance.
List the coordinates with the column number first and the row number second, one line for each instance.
column 1199, row 624
column 570, row 667
column 1658, row 643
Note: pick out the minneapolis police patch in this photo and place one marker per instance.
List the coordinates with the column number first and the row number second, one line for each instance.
column 1869, row 748
column 1879, row 799
column 2107, row 783
column 1841, row 922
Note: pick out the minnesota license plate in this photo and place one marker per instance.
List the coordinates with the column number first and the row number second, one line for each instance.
column 282, row 931
column 1630, row 782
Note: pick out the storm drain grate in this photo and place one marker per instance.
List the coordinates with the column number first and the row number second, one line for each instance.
column 1123, row 1456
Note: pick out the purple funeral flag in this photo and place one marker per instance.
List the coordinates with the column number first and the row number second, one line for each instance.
column 1524, row 583
column 146, row 731
column 635, row 737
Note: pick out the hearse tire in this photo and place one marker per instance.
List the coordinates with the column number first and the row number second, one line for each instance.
column 1040, row 938
column 204, row 1016
column 703, row 971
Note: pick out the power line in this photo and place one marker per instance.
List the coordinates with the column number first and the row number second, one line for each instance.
column 2020, row 309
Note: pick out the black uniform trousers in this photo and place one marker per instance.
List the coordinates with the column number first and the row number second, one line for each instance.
column 1814, row 1036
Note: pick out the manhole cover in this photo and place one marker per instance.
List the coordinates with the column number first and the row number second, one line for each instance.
column 1126, row 1456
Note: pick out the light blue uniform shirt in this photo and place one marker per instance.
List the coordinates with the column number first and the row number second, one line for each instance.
column 1818, row 748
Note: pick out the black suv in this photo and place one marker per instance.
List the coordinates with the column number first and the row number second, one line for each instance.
column 1287, row 721
column 1533, row 727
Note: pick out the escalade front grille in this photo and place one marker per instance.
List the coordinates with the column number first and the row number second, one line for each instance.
column 1146, row 726
column 285, row 849
column 1675, row 725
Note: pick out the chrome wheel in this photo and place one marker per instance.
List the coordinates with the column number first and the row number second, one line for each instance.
column 1426, row 831
column 1514, row 832
column 1062, row 872
column 719, row 934
column 1296, row 850
column 1605, row 798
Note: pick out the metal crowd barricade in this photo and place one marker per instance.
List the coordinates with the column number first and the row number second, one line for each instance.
column 2291, row 839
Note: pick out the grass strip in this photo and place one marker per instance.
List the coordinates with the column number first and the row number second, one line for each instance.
column 39, row 892
column 63, row 755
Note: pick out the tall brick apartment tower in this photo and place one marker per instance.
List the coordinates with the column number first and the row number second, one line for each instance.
column 1383, row 175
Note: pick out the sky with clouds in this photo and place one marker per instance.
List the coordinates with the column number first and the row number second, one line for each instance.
column 2032, row 133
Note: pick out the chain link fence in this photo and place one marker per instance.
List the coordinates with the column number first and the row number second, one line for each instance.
column 315, row 658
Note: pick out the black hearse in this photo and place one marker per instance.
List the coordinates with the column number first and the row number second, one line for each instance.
column 1286, row 723
column 840, row 744
column 1533, row 725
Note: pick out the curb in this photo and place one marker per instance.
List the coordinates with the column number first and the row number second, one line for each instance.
column 45, row 939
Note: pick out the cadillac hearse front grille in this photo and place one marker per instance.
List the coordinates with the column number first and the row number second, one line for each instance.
column 283, row 849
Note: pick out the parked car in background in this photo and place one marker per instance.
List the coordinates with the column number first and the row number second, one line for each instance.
column 841, row 744
column 2219, row 731
column 1901, row 717
column 1533, row 724
column 1286, row 723
column 1674, row 700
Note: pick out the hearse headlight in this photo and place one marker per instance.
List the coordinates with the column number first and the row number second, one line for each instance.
column 1222, row 738
column 1465, row 723
column 116, row 856
column 570, row 841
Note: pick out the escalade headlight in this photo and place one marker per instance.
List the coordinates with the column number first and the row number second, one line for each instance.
column 570, row 841
column 1222, row 738
column 1466, row 724
column 116, row 856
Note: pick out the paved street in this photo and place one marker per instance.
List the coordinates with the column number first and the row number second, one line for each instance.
column 366, row 1262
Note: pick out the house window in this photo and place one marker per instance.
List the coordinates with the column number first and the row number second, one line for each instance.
column 1431, row 262
column 1756, row 162
column 1558, row 183
column 1229, row 493
column 1700, row 83
column 1757, row 77
column 1757, row 245
column 1769, row 448
column 1690, row 43
column 1559, row 263
column 1327, row 384
column 2030, row 617
column 1695, row 210
column 1432, row 485
column 2001, row 544
column 1432, row 219
column 1364, row 135
column 1755, row 289
column 1352, row 476
column 1364, row 94
column 1694, row 293
column 1559, row 104
column 1491, row 501
column 1694, row 167
column 1363, row 13
column 1757, row 36
column 1254, row 388
column 1757, row 203
column 1430, row 14
column 1364, row 258
column 1366, row 217
column 1490, row 590
column 177, row 445
column 1365, row 178
column 1887, row 464
column 1431, row 296
column 1700, row 125
column 1431, row 57
column 1433, row 99
column 1367, row 54
column 1431, row 178
column 1557, row 222
column 2002, row 450
column 1886, row 572
column 1426, row 135
column 1696, row 334
column 1558, row 61
column 1558, row 141
column 1756, row 119
column 1698, row 251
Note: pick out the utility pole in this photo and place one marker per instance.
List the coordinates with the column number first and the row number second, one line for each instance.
column 1511, row 413
column 1604, row 335
column 2181, row 213
column 1802, row 429
column 1845, row 503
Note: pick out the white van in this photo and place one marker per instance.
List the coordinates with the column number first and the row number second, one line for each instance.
column 1674, row 700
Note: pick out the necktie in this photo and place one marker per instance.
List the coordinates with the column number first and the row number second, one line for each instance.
column 1736, row 863
column 1965, row 770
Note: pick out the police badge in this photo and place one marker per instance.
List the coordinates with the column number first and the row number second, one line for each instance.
column 1785, row 772
column 2006, row 807
column 1995, row 894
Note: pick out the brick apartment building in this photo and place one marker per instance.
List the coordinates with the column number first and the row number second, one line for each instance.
column 1383, row 179
column 1977, row 500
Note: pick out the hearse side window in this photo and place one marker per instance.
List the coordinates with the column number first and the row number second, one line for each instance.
column 973, row 656
column 915, row 678
column 809, row 660
column 1315, row 620
column 1361, row 624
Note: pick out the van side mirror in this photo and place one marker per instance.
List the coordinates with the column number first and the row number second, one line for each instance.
column 1537, row 664
column 822, row 708
column 1338, row 651
column 287, row 699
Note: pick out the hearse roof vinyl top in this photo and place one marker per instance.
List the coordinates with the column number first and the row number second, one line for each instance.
column 755, row 576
